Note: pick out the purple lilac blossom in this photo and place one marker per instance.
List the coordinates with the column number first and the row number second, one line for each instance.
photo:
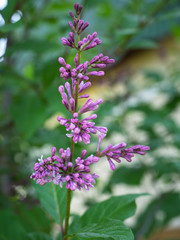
column 76, row 173
column 69, row 104
column 119, row 151
column 78, row 8
column 60, row 170
column 83, row 86
column 69, row 41
column 80, row 71
column 89, row 42
column 81, row 129
column 90, row 105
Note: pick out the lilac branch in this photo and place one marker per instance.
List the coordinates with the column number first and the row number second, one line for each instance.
column 64, row 169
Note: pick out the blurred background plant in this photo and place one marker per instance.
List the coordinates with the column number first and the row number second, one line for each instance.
column 142, row 106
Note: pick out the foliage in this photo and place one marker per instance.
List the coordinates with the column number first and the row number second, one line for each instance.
column 161, row 128
column 28, row 77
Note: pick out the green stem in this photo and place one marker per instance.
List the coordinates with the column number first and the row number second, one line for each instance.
column 59, row 212
column 67, row 213
column 68, row 206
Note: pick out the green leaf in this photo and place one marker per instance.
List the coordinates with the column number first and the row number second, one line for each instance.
column 153, row 75
column 125, row 32
column 10, row 228
column 35, row 220
column 10, row 26
column 8, row 10
column 39, row 46
column 53, row 199
column 28, row 113
column 158, row 214
column 142, row 43
column 38, row 236
column 3, row 237
column 119, row 207
column 128, row 175
column 55, row 100
column 50, row 72
column 163, row 168
column 29, row 72
column 176, row 32
column 107, row 229
column 173, row 14
column 59, row 236
column 168, row 200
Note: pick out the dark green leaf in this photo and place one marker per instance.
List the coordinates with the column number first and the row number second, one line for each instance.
column 158, row 214
column 10, row 228
column 54, row 98
column 10, row 26
column 33, row 219
column 169, row 15
column 3, row 237
column 53, row 199
column 8, row 10
column 108, row 229
column 38, row 46
column 50, row 72
column 162, row 168
column 128, row 175
column 28, row 113
column 38, row 236
column 119, row 207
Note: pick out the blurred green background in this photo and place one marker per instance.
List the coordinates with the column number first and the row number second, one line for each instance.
column 141, row 93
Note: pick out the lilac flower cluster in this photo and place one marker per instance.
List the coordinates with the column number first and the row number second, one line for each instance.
column 64, row 169
column 90, row 41
column 82, row 70
column 60, row 170
column 81, row 129
column 119, row 151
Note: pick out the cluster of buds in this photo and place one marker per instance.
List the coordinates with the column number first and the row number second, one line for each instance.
column 59, row 170
column 90, row 41
column 81, row 129
column 76, row 172
column 78, row 25
column 83, row 71
column 119, row 151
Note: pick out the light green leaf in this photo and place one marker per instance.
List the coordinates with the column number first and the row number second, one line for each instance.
column 142, row 43
column 53, row 199
column 126, row 32
column 107, row 229
column 59, row 236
